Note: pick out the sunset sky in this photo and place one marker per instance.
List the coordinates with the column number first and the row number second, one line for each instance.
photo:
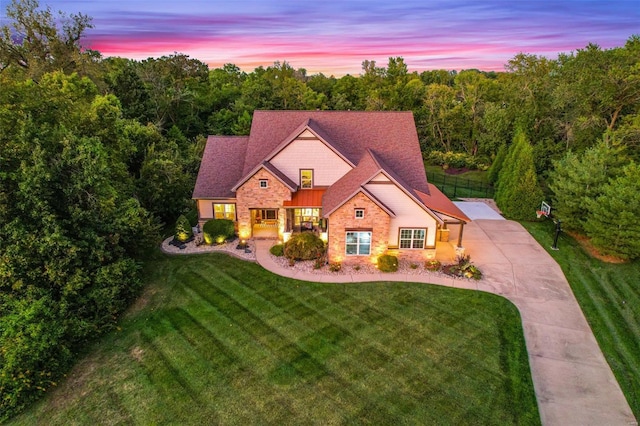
column 335, row 36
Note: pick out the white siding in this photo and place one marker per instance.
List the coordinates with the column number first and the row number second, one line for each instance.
column 327, row 166
column 408, row 213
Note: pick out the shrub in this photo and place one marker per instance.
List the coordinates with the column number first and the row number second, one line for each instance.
column 464, row 268
column 320, row 262
column 456, row 160
column 304, row 246
column 432, row 265
column 388, row 263
column 277, row 250
column 218, row 231
column 335, row 266
column 183, row 229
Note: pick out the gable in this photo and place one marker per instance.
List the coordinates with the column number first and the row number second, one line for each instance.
column 403, row 205
column 308, row 152
column 391, row 134
column 381, row 178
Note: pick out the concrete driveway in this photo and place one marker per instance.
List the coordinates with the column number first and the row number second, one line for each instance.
column 572, row 380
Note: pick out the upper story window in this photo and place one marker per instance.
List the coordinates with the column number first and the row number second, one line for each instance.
column 359, row 213
column 264, row 183
column 224, row 211
column 306, row 178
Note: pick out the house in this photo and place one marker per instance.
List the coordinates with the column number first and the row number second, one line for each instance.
column 355, row 178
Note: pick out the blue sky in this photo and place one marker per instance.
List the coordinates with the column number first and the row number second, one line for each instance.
column 334, row 36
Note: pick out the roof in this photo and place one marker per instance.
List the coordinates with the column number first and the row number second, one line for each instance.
column 349, row 184
column 391, row 134
column 439, row 203
column 306, row 198
column 372, row 142
column 271, row 169
column 221, row 166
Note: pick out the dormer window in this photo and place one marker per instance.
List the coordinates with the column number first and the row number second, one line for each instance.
column 306, row 178
column 264, row 183
column 359, row 213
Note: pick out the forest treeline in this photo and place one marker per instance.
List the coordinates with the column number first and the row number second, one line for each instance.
column 98, row 154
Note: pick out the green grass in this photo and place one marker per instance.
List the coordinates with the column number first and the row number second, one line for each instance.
column 609, row 295
column 215, row 340
column 471, row 184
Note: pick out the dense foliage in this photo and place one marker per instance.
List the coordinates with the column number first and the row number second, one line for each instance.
column 304, row 246
column 388, row 263
column 518, row 191
column 96, row 154
column 217, row 231
column 183, row 229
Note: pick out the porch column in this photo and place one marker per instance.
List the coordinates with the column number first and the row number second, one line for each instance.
column 460, row 234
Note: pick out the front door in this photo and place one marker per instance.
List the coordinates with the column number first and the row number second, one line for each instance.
column 264, row 223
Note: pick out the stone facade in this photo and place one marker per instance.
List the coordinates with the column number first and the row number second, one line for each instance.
column 343, row 219
column 251, row 196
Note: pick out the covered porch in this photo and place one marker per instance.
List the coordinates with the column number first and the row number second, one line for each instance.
column 303, row 213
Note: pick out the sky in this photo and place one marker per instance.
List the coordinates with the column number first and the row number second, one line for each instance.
column 333, row 37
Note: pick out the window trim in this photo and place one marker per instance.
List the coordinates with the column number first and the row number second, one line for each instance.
column 311, row 183
column 357, row 243
column 263, row 181
column 412, row 240
column 226, row 214
column 356, row 211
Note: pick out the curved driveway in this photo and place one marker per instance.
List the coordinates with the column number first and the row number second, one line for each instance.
column 572, row 380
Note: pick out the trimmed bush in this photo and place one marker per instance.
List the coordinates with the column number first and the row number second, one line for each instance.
column 277, row 250
column 217, row 231
column 388, row 263
column 304, row 246
column 183, row 229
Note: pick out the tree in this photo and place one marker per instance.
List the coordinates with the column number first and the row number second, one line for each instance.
column 498, row 163
column 612, row 222
column 71, row 232
column 518, row 194
column 576, row 180
column 34, row 43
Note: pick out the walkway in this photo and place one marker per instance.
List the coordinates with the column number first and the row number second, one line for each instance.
column 572, row 380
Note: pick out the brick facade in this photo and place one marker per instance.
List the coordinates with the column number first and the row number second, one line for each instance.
column 251, row 196
column 343, row 219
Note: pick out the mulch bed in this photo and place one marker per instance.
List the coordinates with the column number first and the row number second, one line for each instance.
column 455, row 171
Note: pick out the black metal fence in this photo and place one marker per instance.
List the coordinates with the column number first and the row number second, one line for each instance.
column 459, row 187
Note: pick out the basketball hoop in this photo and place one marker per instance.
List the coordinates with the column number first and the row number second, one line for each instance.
column 545, row 210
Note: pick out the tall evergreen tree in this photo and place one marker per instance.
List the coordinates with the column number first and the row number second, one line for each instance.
column 612, row 222
column 519, row 193
column 578, row 179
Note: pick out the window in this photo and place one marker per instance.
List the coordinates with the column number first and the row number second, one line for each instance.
column 412, row 238
column 306, row 178
column 264, row 183
column 359, row 213
column 358, row 243
column 224, row 211
column 268, row 214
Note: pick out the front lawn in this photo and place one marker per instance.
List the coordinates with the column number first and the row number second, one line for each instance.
column 215, row 340
column 609, row 295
